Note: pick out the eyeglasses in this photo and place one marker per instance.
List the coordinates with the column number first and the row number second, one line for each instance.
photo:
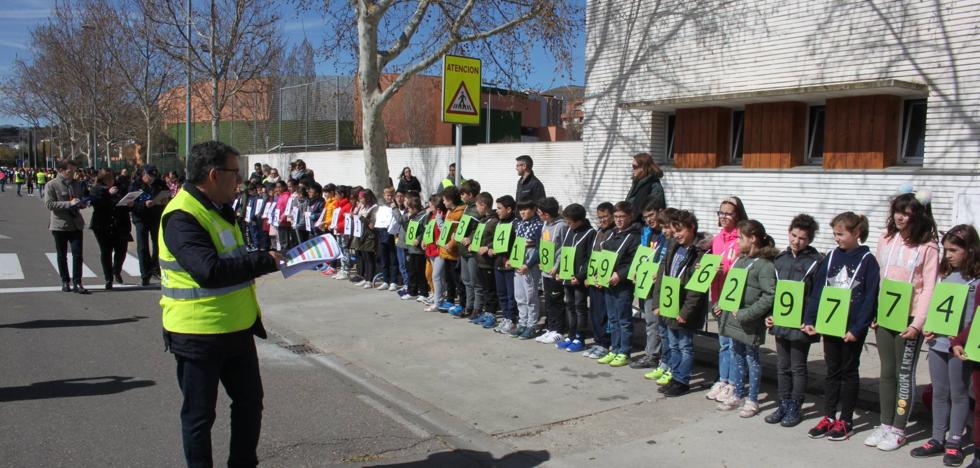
column 725, row 214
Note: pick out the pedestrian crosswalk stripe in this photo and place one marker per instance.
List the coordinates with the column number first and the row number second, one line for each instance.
column 10, row 267
column 86, row 271
column 3, row 237
column 131, row 265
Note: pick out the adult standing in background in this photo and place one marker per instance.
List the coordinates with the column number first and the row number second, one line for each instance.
column 646, row 185
column 147, row 210
column 529, row 188
column 407, row 182
column 64, row 200
column 42, row 180
column 210, row 311
column 110, row 224
column 449, row 180
column 257, row 175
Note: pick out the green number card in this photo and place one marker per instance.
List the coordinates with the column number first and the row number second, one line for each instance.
column 670, row 297
column 946, row 308
column 501, row 238
column 447, row 227
column 787, row 308
column 646, row 273
column 894, row 304
column 643, row 254
column 567, row 270
column 972, row 348
column 412, row 232
column 707, row 269
column 517, row 252
column 546, row 249
column 464, row 224
column 593, row 268
column 605, row 267
column 733, row 289
column 832, row 312
column 478, row 237
column 429, row 237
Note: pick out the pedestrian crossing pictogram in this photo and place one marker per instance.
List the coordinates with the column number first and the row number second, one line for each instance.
column 462, row 103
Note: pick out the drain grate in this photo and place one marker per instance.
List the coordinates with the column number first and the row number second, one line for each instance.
column 300, row 348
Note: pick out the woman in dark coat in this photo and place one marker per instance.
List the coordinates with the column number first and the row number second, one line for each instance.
column 407, row 182
column 646, row 185
column 110, row 224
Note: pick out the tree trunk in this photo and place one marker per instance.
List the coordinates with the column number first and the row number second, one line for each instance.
column 146, row 150
column 215, row 115
column 374, row 136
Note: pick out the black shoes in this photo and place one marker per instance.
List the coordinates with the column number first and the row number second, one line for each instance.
column 65, row 286
column 117, row 279
column 145, row 282
column 645, row 362
column 675, row 389
column 79, row 289
column 108, row 285
column 793, row 415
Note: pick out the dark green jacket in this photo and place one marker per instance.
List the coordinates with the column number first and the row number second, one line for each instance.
column 748, row 324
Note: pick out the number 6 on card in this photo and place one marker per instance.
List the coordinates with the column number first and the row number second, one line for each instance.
column 707, row 269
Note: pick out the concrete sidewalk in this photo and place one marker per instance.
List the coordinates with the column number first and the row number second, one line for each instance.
column 531, row 397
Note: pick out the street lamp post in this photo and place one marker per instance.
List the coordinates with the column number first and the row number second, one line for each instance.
column 187, row 98
column 93, row 153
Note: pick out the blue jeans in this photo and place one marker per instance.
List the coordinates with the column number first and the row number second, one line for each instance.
column 620, row 315
column 402, row 264
column 681, row 353
column 726, row 365
column 598, row 317
column 746, row 359
column 505, row 293
column 666, row 353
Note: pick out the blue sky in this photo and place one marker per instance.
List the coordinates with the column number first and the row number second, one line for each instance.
column 18, row 17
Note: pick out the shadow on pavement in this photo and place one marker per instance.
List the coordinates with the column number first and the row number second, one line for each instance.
column 70, row 323
column 466, row 458
column 89, row 386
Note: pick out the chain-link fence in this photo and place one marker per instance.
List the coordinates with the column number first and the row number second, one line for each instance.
column 317, row 115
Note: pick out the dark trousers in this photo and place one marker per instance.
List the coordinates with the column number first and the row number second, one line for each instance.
column 198, row 380
column 554, row 304
column 841, row 385
column 148, row 247
column 490, row 302
column 112, row 254
column 598, row 318
column 417, row 285
column 367, row 264
column 576, row 310
column 388, row 257
column 975, row 376
column 62, row 240
column 791, row 368
column 505, row 293
column 454, row 283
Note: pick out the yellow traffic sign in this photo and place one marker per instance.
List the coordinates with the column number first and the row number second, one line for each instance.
column 461, row 90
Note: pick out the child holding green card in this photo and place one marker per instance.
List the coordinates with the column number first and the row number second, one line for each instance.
column 618, row 288
column 796, row 269
column 652, row 237
column 910, row 263
column 502, row 239
column 746, row 299
column 418, row 287
column 597, row 306
column 437, row 212
column 683, row 311
column 731, row 211
column 955, row 300
column 572, row 273
column 450, row 254
column 841, row 308
column 468, row 269
column 482, row 239
column 527, row 274
column 552, row 234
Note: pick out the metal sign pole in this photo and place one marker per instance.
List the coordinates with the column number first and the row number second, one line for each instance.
column 459, row 153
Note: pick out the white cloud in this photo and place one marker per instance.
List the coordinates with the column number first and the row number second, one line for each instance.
column 14, row 44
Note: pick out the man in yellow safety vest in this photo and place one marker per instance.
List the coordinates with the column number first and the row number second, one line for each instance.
column 210, row 311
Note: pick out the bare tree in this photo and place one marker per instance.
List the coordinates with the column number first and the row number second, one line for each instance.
column 409, row 37
column 232, row 43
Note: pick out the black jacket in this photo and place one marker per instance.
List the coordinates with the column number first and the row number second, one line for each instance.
column 107, row 218
column 801, row 267
column 191, row 245
column 530, row 188
column 148, row 214
column 410, row 184
column 624, row 242
column 694, row 305
column 582, row 238
column 644, row 190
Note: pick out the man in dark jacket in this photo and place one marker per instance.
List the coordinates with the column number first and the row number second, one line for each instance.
column 529, row 188
column 146, row 218
column 205, row 357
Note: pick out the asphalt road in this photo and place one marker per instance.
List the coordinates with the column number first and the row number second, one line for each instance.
column 84, row 380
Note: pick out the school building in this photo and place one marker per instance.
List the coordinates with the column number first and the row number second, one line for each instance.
column 816, row 106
